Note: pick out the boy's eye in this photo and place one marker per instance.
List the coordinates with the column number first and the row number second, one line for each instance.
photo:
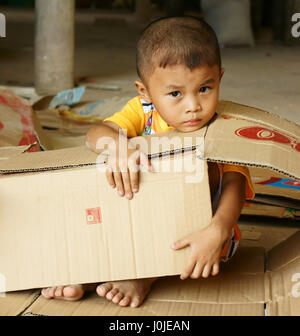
column 175, row 94
column 205, row 89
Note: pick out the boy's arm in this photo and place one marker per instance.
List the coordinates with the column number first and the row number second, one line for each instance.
column 122, row 167
column 231, row 201
column 104, row 129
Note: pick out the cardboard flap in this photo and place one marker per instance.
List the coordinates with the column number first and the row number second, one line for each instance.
column 284, row 277
column 50, row 160
column 8, row 152
column 257, row 116
column 284, row 253
column 270, row 182
column 253, row 142
column 170, row 142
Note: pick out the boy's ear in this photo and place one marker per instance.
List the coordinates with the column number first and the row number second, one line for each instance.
column 142, row 90
column 222, row 70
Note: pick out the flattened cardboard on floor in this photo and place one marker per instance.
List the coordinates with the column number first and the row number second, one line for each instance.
column 15, row 303
column 241, row 288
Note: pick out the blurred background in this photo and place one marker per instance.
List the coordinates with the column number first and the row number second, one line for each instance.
column 259, row 53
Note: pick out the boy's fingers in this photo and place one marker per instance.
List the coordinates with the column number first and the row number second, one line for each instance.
column 144, row 162
column 119, row 183
column 110, row 177
column 181, row 243
column 134, row 179
column 206, row 271
column 215, row 269
column 197, row 271
column 188, row 270
column 133, row 168
column 127, row 185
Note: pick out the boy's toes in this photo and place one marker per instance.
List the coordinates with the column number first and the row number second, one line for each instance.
column 118, row 297
column 135, row 302
column 111, row 294
column 125, row 301
column 58, row 291
column 45, row 294
column 72, row 292
column 103, row 289
column 52, row 292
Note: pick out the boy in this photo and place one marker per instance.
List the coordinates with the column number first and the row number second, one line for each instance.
column 179, row 65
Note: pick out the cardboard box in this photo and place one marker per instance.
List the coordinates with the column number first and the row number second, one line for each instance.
column 67, row 226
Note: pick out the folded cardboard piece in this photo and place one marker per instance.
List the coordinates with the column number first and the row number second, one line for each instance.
column 62, row 224
column 262, row 209
column 253, row 283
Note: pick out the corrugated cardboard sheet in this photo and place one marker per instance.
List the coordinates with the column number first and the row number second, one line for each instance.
column 69, row 226
column 237, row 290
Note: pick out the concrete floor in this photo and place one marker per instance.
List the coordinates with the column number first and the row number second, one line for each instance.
column 266, row 76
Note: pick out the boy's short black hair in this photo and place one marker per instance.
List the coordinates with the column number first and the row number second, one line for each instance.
column 176, row 40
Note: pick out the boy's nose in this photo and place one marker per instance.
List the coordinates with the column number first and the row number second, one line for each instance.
column 193, row 105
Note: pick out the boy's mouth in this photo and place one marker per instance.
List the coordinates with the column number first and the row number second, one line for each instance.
column 192, row 122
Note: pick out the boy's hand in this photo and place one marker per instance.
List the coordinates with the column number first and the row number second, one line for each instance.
column 206, row 246
column 122, row 171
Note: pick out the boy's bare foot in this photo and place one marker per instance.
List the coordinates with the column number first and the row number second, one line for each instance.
column 69, row 293
column 126, row 292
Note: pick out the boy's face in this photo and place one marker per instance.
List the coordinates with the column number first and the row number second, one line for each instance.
column 186, row 99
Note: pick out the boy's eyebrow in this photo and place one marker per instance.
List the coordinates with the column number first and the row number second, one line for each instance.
column 209, row 81
column 177, row 87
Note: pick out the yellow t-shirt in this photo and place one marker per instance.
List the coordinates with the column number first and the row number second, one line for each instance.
column 140, row 118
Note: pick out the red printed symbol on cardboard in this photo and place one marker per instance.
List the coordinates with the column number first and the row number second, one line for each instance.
column 93, row 216
column 262, row 133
